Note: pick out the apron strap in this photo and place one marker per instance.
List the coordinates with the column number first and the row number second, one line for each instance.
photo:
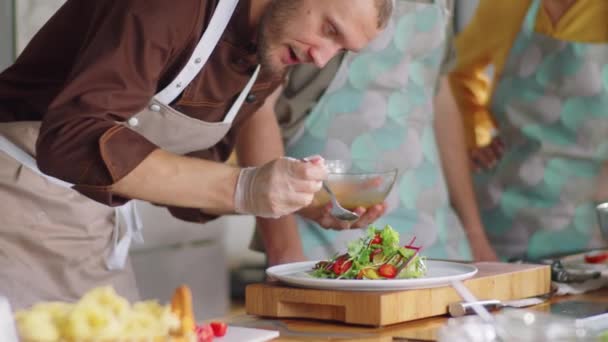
column 530, row 20
column 206, row 45
column 8, row 328
column 133, row 227
column 128, row 213
column 234, row 110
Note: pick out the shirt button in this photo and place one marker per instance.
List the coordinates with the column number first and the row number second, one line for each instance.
column 133, row 122
column 197, row 61
column 155, row 108
column 250, row 98
column 179, row 85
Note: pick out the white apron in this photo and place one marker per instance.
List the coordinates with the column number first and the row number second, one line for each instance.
column 55, row 243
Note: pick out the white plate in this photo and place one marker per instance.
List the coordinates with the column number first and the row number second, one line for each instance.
column 242, row 334
column 439, row 273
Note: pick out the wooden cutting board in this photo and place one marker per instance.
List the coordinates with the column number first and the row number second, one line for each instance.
column 493, row 281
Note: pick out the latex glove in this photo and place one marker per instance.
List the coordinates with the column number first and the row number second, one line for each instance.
column 280, row 187
column 322, row 216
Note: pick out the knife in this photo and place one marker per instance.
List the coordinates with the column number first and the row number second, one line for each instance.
column 466, row 308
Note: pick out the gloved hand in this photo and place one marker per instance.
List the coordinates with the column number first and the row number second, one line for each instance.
column 280, row 187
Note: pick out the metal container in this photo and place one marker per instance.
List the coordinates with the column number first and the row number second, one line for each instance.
column 602, row 218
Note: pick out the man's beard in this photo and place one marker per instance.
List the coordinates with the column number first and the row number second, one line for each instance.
column 271, row 29
column 265, row 53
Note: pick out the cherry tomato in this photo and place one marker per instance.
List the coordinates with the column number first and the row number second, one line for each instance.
column 341, row 265
column 204, row 333
column 377, row 240
column 219, row 328
column 387, row 271
column 596, row 257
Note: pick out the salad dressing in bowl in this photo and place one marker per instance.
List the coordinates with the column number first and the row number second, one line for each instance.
column 357, row 183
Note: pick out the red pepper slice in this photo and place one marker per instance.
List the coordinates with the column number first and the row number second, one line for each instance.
column 596, row 257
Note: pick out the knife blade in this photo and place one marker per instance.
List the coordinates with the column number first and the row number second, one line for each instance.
column 465, row 308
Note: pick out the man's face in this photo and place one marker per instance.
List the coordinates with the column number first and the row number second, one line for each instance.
column 313, row 31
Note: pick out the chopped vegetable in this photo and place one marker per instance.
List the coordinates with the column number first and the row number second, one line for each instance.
column 204, row 333
column 219, row 328
column 387, row 271
column 377, row 255
column 596, row 257
column 377, row 240
column 341, row 265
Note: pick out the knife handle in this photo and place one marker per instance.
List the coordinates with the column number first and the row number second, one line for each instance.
column 466, row 308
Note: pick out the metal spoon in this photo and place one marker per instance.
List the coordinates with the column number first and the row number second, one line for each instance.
column 337, row 210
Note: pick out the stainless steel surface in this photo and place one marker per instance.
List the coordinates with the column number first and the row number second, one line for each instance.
column 602, row 217
column 469, row 297
column 562, row 274
column 466, row 308
column 337, row 210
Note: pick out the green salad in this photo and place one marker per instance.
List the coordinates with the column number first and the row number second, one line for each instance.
column 377, row 255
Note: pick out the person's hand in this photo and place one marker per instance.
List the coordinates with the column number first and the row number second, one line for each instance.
column 278, row 188
column 482, row 249
column 485, row 158
column 321, row 215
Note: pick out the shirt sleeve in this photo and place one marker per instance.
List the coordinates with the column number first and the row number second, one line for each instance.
column 113, row 77
column 468, row 79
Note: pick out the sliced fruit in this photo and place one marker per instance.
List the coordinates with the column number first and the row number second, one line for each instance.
column 370, row 273
column 387, row 271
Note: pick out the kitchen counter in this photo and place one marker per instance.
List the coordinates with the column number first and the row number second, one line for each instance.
column 421, row 330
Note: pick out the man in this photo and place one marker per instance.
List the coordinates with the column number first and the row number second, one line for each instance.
column 380, row 105
column 110, row 95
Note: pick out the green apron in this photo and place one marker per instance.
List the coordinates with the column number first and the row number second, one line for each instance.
column 551, row 106
column 379, row 106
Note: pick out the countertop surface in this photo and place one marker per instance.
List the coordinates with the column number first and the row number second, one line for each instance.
column 420, row 330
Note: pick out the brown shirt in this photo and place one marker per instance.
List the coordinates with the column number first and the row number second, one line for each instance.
column 98, row 62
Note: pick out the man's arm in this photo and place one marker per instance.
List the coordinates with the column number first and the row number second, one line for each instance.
column 82, row 142
column 260, row 141
column 452, row 149
column 181, row 181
